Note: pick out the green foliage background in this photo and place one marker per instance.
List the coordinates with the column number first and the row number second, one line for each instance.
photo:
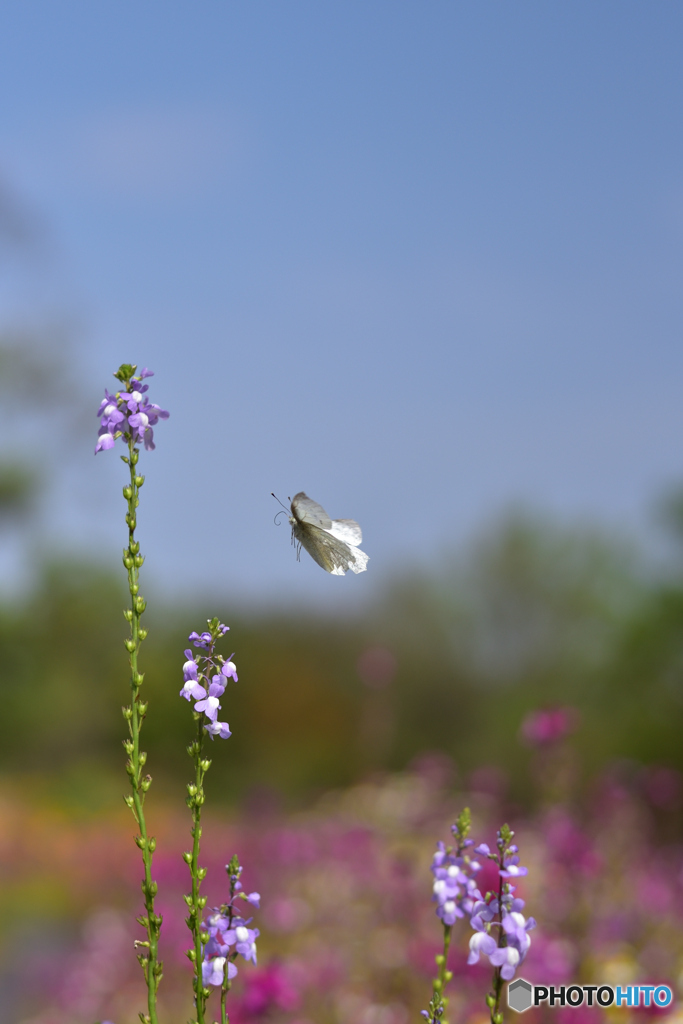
column 532, row 616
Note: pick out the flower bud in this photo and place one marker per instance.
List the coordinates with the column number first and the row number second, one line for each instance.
column 135, row 455
column 134, row 587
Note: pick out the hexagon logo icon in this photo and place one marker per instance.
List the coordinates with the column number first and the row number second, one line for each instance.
column 519, row 995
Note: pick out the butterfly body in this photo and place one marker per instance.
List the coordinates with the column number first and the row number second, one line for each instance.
column 332, row 543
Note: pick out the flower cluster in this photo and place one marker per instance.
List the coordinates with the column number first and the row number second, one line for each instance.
column 501, row 911
column 128, row 414
column 455, row 890
column 227, row 929
column 501, row 932
column 212, row 670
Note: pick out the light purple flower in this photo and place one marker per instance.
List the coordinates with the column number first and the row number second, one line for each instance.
column 105, row 440
column 192, row 690
column 508, row 959
column 481, row 942
column 512, row 868
column 202, row 640
column 229, row 669
column 243, row 938
column 213, row 971
column 221, row 729
column 210, row 704
column 517, row 929
column 190, row 668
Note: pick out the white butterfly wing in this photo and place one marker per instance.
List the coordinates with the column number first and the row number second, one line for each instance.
column 305, row 510
column 346, row 530
column 331, row 553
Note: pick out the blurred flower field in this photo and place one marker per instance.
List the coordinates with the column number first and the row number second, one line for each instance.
column 348, row 929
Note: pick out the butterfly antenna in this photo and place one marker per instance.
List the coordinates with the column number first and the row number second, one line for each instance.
column 277, row 499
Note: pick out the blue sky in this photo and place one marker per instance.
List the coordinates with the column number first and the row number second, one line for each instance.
column 421, row 260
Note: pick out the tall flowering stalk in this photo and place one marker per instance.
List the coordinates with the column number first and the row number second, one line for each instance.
column 128, row 414
column 501, row 931
column 205, row 676
column 455, row 892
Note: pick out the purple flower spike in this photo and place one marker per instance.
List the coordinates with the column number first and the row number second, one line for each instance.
column 128, row 414
column 206, row 675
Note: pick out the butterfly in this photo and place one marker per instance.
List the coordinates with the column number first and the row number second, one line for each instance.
column 332, row 543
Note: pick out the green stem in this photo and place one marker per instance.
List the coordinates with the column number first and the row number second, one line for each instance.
column 225, row 988
column 498, row 982
column 439, row 1002
column 195, row 902
column 135, row 715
